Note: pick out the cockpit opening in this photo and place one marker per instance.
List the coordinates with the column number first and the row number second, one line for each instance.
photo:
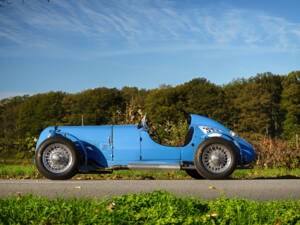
column 169, row 133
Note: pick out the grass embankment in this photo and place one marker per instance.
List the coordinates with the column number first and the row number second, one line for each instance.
column 30, row 172
column 158, row 207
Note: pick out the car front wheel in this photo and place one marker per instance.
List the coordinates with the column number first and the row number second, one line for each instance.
column 57, row 158
column 215, row 158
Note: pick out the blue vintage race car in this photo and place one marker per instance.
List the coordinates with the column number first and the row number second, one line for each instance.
column 210, row 150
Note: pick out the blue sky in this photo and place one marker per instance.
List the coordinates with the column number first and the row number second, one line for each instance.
column 73, row 45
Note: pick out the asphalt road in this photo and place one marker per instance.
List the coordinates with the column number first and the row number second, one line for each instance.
column 260, row 190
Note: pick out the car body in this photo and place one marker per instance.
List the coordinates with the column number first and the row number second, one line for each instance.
column 211, row 150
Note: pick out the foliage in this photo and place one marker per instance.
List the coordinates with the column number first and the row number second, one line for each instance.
column 93, row 106
column 276, row 153
column 26, row 144
column 9, row 113
column 290, row 105
column 258, row 105
column 158, row 207
column 262, row 107
column 203, row 98
column 38, row 112
column 173, row 134
column 165, row 104
column 135, row 105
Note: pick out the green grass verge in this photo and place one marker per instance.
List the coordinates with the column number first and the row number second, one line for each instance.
column 30, row 172
column 158, row 207
column 281, row 173
column 18, row 171
column 14, row 157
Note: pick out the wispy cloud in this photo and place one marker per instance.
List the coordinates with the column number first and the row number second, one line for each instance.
column 8, row 94
column 124, row 26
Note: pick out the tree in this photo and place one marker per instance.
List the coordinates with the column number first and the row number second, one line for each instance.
column 9, row 111
column 165, row 104
column 290, row 104
column 97, row 106
column 231, row 113
column 40, row 111
column 203, row 98
column 258, row 104
column 135, row 104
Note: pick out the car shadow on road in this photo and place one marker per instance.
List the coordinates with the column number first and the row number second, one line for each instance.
column 268, row 178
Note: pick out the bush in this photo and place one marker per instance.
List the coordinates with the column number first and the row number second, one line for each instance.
column 276, row 153
column 173, row 134
column 26, row 144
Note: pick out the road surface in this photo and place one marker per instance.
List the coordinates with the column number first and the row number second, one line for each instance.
column 260, row 190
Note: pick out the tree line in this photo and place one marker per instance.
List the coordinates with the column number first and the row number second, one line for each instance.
column 263, row 106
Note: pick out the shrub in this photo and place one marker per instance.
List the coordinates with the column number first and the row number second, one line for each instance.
column 276, row 152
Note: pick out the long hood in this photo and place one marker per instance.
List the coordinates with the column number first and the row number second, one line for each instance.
column 99, row 134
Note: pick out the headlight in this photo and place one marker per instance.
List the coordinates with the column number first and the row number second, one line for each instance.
column 234, row 134
column 206, row 130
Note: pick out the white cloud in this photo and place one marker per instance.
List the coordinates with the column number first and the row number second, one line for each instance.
column 297, row 32
column 138, row 23
column 9, row 94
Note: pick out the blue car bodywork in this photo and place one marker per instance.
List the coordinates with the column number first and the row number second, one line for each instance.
column 131, row 146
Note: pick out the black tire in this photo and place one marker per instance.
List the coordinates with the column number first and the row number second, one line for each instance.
column 72, row 167
column 194, row 174
column 213, row 143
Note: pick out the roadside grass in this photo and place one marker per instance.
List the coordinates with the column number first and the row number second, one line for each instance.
column 158, row 207
column 29, row 171
column 18, row 171
column 279, row 173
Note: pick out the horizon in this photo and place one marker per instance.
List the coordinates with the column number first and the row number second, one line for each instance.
column 8, row 96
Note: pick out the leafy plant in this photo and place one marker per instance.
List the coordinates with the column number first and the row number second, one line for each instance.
column 158, row 207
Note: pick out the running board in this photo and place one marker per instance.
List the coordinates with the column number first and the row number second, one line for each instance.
column 153, row 166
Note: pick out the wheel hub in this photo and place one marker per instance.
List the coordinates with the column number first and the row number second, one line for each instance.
column 57, row 157
column 216, row 159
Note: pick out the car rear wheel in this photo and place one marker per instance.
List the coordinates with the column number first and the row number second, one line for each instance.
column 215, row 158
column 194, row 174
column 57, row 158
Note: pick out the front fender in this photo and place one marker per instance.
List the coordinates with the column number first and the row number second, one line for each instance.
column 245, row 150
column 225, row 136
column 52, row 131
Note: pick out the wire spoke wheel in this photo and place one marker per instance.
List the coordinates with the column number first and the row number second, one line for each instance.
column 57, row 158
column 216, row 158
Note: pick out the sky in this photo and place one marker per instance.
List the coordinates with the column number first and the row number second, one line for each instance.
column 71, row 46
